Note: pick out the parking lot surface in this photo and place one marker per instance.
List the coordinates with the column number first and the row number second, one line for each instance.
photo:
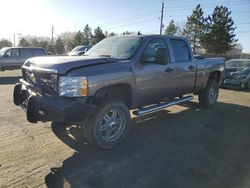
column 181, row 146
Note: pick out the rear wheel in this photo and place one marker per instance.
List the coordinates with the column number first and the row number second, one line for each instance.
column 208, row 97
column 109, row 125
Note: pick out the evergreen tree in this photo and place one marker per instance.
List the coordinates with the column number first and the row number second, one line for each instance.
column 87, row 35
column 98, row 35
column 112, row 34
column 68, row 39
column 44, row 44
column 5, row 43
column 220, row 36
column 78, row 39
column 35, row 43
column 195, row 28
column 24, row 43
column 59, row 46
column 171, row 29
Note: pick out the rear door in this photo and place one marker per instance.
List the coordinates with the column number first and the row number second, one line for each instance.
column 38, row 52
column 25, row 53
column 185, row 67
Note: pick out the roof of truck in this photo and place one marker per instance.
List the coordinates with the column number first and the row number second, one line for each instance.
column 149, row 36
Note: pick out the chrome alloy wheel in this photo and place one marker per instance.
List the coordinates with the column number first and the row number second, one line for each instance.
column 112, row 125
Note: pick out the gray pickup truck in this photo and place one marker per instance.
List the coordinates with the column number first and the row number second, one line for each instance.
column 142, row 73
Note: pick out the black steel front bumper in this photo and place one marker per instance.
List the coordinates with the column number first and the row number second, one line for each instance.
column 44, row 108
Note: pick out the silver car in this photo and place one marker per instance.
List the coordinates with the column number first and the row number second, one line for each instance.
column 14, row 57
column 79, row 50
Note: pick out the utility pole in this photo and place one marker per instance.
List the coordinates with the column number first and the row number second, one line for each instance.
column 14, row 41
column 51, row 40
column 52, row 35
column 161, row 24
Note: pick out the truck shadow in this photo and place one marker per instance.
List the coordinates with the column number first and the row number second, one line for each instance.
column 192, row 147
column 9, row 80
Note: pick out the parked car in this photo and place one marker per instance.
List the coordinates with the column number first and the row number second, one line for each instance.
column 237, row 74
column 14, row 57
column 143, row 73
column 79, row 50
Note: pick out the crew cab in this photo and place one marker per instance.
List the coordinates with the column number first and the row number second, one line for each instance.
column 142, row 73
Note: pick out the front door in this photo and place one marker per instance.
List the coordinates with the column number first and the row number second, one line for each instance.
column 154, row 81
column 11, row 58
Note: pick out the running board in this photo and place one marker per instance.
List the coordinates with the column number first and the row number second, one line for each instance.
column 156, row 107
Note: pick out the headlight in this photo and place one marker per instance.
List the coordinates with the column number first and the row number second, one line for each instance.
column 72, row 86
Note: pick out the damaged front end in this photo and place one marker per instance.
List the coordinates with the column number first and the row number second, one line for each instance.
column 37, row 94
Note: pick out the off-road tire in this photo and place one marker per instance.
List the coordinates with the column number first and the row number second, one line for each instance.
column 208, row 97
column 91, row 128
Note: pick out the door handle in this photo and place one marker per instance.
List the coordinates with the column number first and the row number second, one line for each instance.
column 168, row 70
column 190, row 67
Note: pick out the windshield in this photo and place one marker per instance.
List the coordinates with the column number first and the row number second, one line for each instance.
column 116, row 47
column 238, row 63
column 2, row 51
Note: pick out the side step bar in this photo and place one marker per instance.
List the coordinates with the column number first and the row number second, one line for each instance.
column 156, row 107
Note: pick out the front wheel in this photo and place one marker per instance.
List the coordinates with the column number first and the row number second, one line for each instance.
column 109, row 125
column 208, row 97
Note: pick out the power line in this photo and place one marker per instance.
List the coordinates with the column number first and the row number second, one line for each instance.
column 188, row 7
column 128, row 19
column 208, row 5
column 118, row 14
column 132, row 23
column 183, row 15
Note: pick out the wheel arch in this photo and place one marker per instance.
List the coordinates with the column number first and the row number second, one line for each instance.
column 122, row 92
column 215, row 75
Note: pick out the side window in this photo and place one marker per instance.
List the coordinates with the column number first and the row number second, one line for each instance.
column 38, row 52
column 25, row 52
column 181, row 50
column 150, row 50
column 8, row 53
column 12, row 53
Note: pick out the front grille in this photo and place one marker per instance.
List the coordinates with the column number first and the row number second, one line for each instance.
column 46, row 82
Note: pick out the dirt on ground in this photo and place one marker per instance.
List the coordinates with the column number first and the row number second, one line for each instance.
column 183, row 146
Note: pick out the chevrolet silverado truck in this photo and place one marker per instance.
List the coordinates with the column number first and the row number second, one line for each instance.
column 141, row 73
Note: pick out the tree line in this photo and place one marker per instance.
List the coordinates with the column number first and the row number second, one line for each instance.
column 214, row 33
column 63, row 43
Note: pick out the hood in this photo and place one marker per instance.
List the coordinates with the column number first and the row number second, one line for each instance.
column 63, row 64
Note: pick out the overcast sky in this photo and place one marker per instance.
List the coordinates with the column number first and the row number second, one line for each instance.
column 36, row 17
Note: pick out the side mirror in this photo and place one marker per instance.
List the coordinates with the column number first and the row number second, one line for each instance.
column 162, row 56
